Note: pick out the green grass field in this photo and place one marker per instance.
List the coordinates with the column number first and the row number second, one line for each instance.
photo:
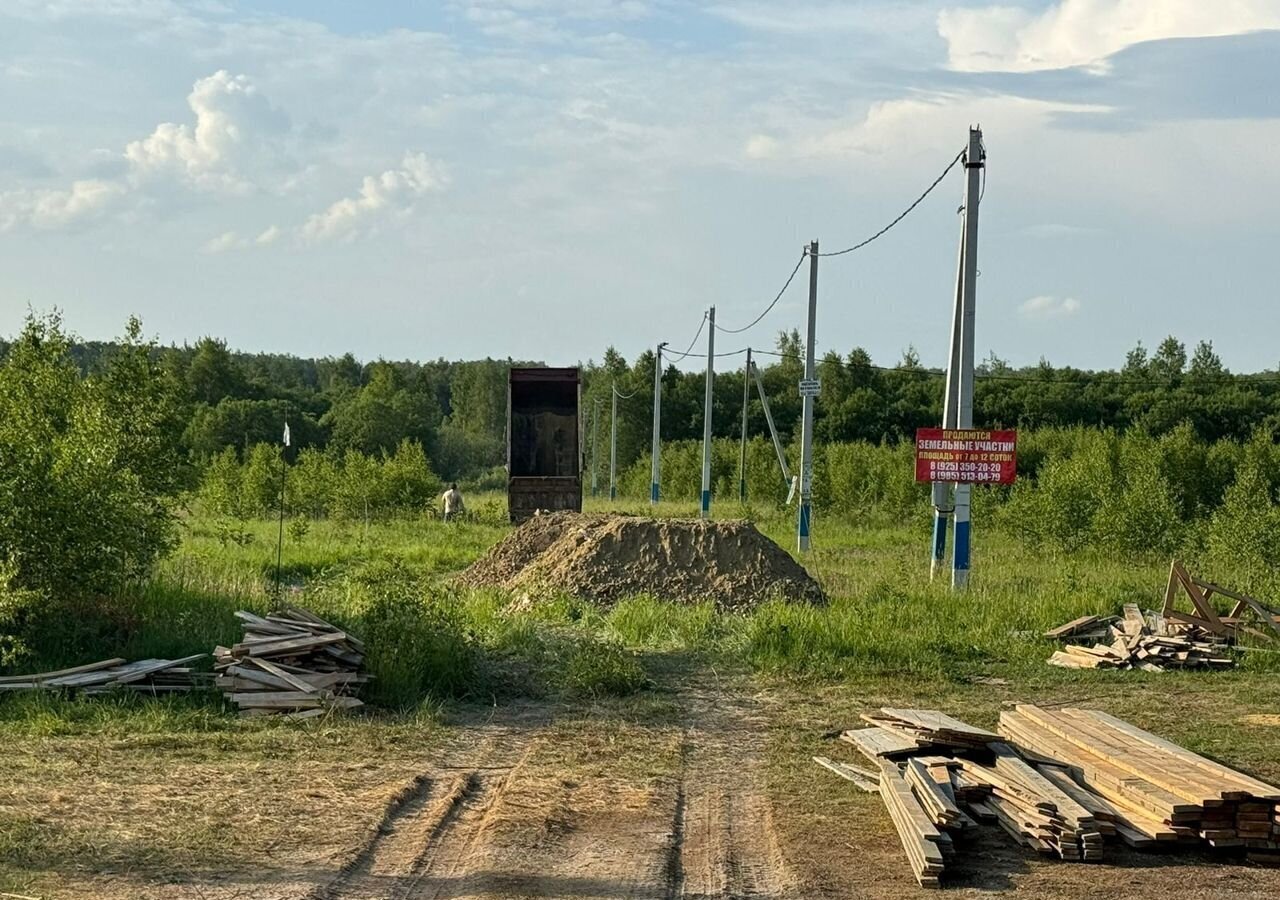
column 887, row 637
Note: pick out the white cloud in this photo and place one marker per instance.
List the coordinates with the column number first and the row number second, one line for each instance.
column 228, row 240
column 233, row 121
column 1086, row 32
column 48, row 209
column 1048, row 307
column 268, row 236
column 392, row 192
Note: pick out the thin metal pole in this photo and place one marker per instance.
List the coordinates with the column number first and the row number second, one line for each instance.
column 806, row 420
column 974, row 162
column 943, row 505
column 613, row 447
column 656, row 451
column 595, row 433
column 706, row 415
column 284, row 470
column 742, row 450
column 773, row 430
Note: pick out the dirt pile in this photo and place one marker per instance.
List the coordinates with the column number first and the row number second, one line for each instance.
column 605, row 558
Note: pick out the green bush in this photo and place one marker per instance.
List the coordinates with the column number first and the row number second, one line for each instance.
column 88, row 470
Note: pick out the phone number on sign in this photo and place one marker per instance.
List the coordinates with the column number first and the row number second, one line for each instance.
column 946, row 471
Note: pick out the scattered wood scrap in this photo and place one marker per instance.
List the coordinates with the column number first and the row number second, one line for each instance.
column 1138, row 640
column 144, row 676
column 1060, row 782
column 293, row 663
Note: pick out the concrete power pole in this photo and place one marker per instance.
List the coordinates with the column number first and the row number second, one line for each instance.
column 613, row 447
column 706, row 415
column 806, row 420
column 973, row 164
column 656, row 452
column 742, row 451
column 943, row 505
column 595, row 433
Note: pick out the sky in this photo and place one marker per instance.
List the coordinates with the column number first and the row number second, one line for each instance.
column 540, row 179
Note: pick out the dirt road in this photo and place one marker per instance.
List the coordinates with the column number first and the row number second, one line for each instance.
column 700, row 791
column 514, row 813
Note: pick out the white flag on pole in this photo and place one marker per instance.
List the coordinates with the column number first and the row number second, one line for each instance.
column 286, row 434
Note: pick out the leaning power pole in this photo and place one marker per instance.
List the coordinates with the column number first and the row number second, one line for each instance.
column 806, row 419
column 656, row 452
column 943, row 505
column 706, row 415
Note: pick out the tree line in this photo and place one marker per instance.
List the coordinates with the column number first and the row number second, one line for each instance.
column 456, row 410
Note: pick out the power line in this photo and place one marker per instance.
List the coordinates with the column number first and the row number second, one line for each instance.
column 688, row 351
column 904, row 213
column 768, row 308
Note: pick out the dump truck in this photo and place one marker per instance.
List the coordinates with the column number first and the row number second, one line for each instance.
column 544, row 441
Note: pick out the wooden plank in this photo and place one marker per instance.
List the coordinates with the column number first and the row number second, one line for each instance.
column 1256, row 788
column 1134, row 622
column 879, row 742
column 75, row 670
column 1071, row 627
column 297, row 681
column 291, row 645
column 849, row 773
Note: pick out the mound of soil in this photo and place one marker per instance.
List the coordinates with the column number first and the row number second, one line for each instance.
column 605, row 558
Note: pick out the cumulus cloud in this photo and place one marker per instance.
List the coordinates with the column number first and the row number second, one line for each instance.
column 268, row 236
column 391, row 193
column 233, row 121
column 1086, row 32
column 47, row 209
column 1048, row 307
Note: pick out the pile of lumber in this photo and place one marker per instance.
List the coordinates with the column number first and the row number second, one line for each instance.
column 1150, row 790
column 145, row 676
column 1137, row 640
column 1060, row 782
column 939, row 777
column 292, row 662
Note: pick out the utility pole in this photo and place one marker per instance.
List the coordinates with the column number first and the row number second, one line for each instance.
column 975, row 159
column 595, row 433
column 706, row 415
column 742, row 451
column 806, row 420
column 613, row 447
column 656, row 452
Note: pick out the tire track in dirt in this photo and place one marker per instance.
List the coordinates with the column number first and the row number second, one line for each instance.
column 724, row 830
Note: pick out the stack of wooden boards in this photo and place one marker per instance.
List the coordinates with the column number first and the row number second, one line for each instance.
column 1059, row 783
column 291, row 662
column 1151, row 790
column 1137, row 641
column 146, row 676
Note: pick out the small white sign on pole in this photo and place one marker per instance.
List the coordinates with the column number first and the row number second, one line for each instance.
column 810, row 387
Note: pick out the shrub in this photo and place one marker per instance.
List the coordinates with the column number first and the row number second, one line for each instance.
column 85, row 501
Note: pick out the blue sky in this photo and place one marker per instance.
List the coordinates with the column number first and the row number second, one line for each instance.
column 542, row 178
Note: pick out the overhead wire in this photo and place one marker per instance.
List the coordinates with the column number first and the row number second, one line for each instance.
column 902, row 215
column 688, row 351
column 774, row 303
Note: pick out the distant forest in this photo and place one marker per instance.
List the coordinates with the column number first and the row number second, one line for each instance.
column 457, row 410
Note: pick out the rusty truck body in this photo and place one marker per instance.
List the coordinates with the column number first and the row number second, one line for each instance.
column 544, row 441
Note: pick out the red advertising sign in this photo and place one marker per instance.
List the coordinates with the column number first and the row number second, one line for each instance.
column 968, row 455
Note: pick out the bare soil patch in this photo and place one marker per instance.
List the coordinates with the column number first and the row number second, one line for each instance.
column 604, row 558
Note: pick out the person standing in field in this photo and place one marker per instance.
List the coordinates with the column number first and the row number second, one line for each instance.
column 452, row 501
